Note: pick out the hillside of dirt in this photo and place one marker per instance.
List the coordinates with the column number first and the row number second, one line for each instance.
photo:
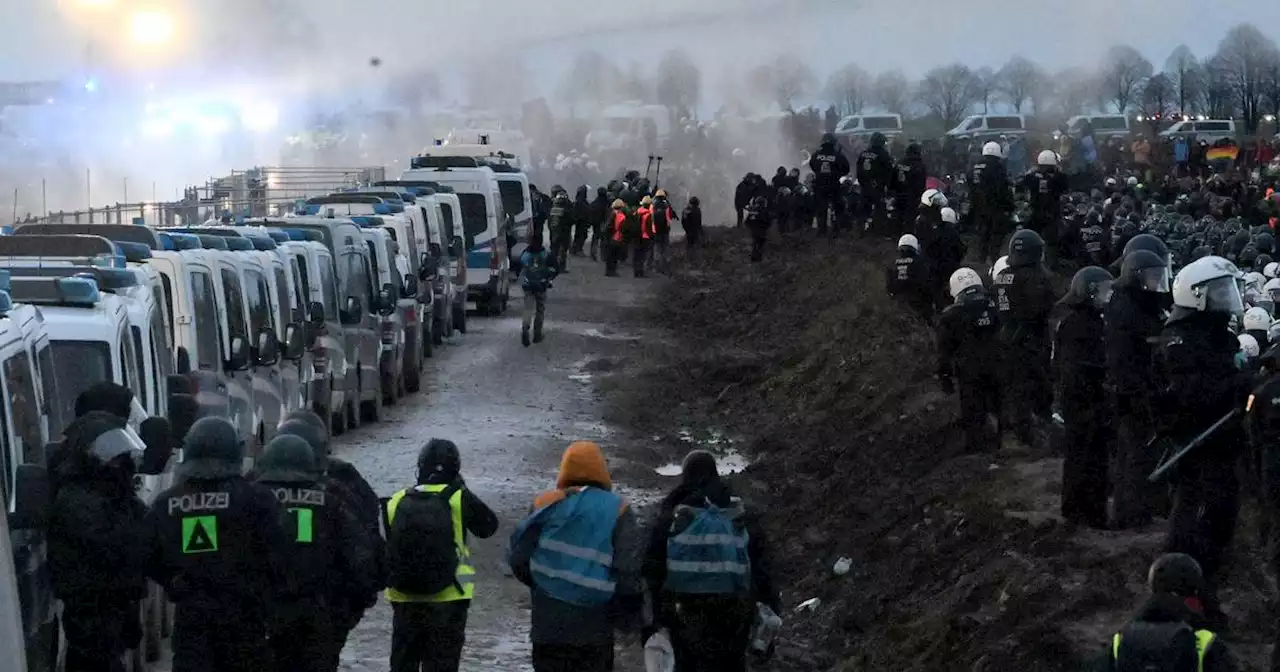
column 959, row 562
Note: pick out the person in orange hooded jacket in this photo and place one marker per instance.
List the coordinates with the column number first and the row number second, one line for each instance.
column 615, row 247
column 580, row 552
column 640, row 246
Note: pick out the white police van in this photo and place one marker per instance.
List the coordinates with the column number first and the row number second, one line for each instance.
column 443, row 271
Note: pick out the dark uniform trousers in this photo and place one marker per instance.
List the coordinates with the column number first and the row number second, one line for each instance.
column 428, row 636
column 302, row 637
column 569, row 658
column 219, row 638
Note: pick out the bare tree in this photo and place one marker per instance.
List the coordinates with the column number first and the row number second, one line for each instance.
column 1217, row 92
column 1075, row 87
column 1245, row 57
column 591, row 78
column 1123, row 71
column 794, row 79
column 1186, row 76
column 1157, row 96
column 1272, row 92
column 892, row 91
column 494, row 83
column 1021, row 81
column 848, row 88
column 634, row 85
column 948, row 92
column 679, row 84
column 985, row 85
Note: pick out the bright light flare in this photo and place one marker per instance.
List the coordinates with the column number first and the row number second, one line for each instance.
column 95, row 4
column 211, row 125
column 260, row 117
column 157, row 128
column 151, row 28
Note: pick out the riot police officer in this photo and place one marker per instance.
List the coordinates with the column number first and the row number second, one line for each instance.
column 969, row 358
column 908, row 279
column 910, row 181
column 992, row 200
column 1025, row 297
column 875, row 176
column 1045, row 187
column 829, row 164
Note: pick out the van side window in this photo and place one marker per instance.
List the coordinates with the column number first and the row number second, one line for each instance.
column 168, row 301
column 208, row 340
column 130, row 364
column 359, row 283
column 373, row 260
column 446, row 220
column 141, row 365
column 255, row 292
column 7, row 459
column 235, row 306
column 328, row 287
column 284, row 299
column 26, row 410
column 49, row 385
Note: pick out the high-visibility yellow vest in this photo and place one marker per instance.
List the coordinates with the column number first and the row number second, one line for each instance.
column 466, row 573
column 1203, row 639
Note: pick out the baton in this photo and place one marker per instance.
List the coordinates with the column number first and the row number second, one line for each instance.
column 1170, row 461
column 658, row 175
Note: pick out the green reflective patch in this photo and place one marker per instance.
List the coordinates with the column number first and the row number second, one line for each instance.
column 200, row 534
column 302, row 519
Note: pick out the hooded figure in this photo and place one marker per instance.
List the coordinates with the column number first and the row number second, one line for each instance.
column 582, row 222
column 429, row 631
column 910, row 180
column 709, row 629
column 328, row 550
column 598, row 214
column 97, row 542
column 219, row 552
column 580, row 554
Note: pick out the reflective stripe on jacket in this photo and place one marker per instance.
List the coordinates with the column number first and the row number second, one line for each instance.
column 573, row 561
column 466, row 574
column 707, row 552
column 1203, row 639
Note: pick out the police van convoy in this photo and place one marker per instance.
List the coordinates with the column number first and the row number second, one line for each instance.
column 334, row 308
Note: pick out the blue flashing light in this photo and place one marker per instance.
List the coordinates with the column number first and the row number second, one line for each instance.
column 139, row 221
column 134, row 252
column 278, row 235
column 6, row 303
column 239, row 244
column 311, row 209
column 366, row 222
column 6, row 230
column 166, row 242
column 260, row 242
column 185, row 241
column 6, row 280
column 78, row 290
column 381, row 209
column 91, row 85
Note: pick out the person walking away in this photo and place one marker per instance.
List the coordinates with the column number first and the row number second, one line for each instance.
column 1045, row 187
column 97, row 543
column 969, row 359
column 875, row 176
column 537, row 272
column 341, row 481
column 560, row 222
column 1134, row 319
column 911, row 178
column 1025, row 297
column 598, row 216
column 707, row 566
column 945, row 250
column 662, row 214
column 582, row 222
column 431, row 580
column 580, row 554
column 909, row 278
column 640, row 243
column 757, row 221
column 691, row 219
column 618, row 229
column 1199, row 382
column 829, row 166
column 992, row 204
column 1169, row 632
column 219, row 552
column 743, row 194
column 327, row 550
column 1081, row 366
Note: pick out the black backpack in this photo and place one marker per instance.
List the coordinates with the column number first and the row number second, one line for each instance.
column 1156, row 647
column 422, row 556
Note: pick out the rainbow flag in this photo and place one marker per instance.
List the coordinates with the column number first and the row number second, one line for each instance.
column 1228, row 153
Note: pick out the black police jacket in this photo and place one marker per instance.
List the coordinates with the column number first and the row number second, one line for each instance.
column 1198, row 381
column 1045, row 189
column 1134, row 320
column 98, row 541
column 989, row 187
column 910, row 180
column 1080, row 358
column 946, row 249
column 828, row 164
column 1025, row 297
column 875, row 169
column 908, row 278
column 220, row 543
column 968, row 347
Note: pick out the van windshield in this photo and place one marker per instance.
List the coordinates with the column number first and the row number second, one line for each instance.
column 881, row 123
column 78, row 365
column 1004, row 123
column 1109, row 124
column 512, row 197
column 475, row 217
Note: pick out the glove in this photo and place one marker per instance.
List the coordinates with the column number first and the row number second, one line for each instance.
column 948, row 385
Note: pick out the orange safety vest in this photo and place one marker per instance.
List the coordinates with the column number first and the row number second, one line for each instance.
column 619, row 221
column 646, row 222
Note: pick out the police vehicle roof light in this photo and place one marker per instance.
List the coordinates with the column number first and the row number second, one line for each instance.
column 381, row 209
column 239, row 244
column 278, row 235
column 185, row 241
column 78, row 291
column 134, row 252
column 6, row 303
column 166, row 242
column 6, row 283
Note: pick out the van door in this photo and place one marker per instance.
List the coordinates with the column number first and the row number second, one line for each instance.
column 284, row 297
column 455, row 247
column 336, row 354
column 239, row 372
column 360, row 320
column 268, row 384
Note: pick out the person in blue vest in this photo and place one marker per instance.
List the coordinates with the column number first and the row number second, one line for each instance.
column 580, row 553
column 1167, row 633
column 429, row 630
column 706, row 594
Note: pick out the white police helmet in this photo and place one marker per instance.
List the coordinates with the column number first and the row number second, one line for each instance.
column 1257, row 319
column 910, row 241
column 964, row 278
column 1047, row 158
column 949, row 216
column 993, row 149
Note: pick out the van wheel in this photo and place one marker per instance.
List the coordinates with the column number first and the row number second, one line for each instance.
column 353, row 408
column 339, row 422
column 460, row 318
column 413, row 380
column 388, row 390
column 438, row 330
column 370, row 411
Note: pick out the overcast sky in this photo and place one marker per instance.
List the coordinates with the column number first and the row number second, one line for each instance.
column 38, row 41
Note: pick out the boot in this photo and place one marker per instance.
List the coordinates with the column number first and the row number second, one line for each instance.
column 537, row 337
column 524, row 337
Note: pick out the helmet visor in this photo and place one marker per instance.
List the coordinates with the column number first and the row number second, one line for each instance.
column 115, row 443
column 1154, row 279
column 1102, row 293
column 1275, row 295
column 1222, row 295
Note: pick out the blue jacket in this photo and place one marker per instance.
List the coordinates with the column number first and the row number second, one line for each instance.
column 537, row 272
column 572, row 559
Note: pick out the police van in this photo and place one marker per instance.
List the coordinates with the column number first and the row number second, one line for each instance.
column 351, row 314
column 446, row 265
column 485, row 225
column 322, row 338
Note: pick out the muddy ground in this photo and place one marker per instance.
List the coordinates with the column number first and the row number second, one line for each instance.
column 959, row 562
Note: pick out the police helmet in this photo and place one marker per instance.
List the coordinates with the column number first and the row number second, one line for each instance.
column 1176, row 573
column 1132, row 181
column 1090, row 284
column 439, row 461
column 1272, row 289
column 999, row 267
column 1256, row 319
column 1047, row 158
column 1270, row 268
column 1249, row 346
column 316, row 436
column 1111, row 182
column 963, row 280
column 932, row 198
column 212, row 450
column 878, row 139
column 949, row 216
column 1026, row 248
column 289, row 459
column 828, row 138
column 909, row 241
column 1209, row 284
column 1149, row 242
column 993, row 149
column 1146, row 271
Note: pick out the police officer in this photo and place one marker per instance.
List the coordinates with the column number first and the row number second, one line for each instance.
column 1045, row 187
column 1081, row 366
column 560, row 222
column 1025, row 297
column 328, row 550
column 829, row 165
column 875, row 176
column 992, row 201
column 945, row 250
column 219, row 553
column 582, row 222
column 1134, row 318
column 910, row 181
column 969, row 354
column 428, row 631
column 757, row 222
column 1199, row 383
column 908, row 279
